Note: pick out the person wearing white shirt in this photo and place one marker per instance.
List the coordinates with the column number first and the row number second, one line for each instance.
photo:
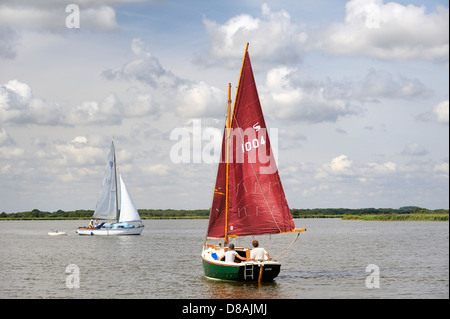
column 258, row 253
column 231, row 254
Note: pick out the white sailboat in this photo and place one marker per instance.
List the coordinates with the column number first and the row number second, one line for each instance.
column 126, row 221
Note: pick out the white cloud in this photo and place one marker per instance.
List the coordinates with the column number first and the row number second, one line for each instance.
column 289, row 95
column 388, row 31
column 442, row 169
column 99, row 19
column 340, row 165
column 79, row 140
column 144, row 68
column 286, row 96
column 273, row 37
column 51, row 16
column 199, row 99
column 156, row 89
column 156, row 169
column 441, row 112
column 382, row 84
column 18, row 105
column 5, row 138
column 108, row 111
column 380, row 169
column 414, row 150
column 438, row 114
column 78, row 154
column 8, row 149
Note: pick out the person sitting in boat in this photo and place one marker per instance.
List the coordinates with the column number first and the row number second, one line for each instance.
column 231, row 254
column 91, row 224
column 258, row 253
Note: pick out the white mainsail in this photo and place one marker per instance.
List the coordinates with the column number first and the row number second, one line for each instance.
column 128, row 211
column 106, row 207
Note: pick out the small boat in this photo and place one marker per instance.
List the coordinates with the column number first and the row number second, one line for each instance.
column 57, row 233
column 125, row 221
column 248, row 198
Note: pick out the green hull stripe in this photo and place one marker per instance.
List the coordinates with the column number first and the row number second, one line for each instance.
column 220, row 271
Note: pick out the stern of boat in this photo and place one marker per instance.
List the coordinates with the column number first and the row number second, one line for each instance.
column 244, row 271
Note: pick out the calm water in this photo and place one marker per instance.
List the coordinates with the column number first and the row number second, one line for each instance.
column 328, row 261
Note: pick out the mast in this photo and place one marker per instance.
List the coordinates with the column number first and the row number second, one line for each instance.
column 115, row 182
column 239, row 83
column 228, row 125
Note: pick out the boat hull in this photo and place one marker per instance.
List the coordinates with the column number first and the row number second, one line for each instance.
column 244, row 271
column 110, row 231
column 57, row 233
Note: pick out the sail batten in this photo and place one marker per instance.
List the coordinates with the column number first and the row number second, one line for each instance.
column 248, row 210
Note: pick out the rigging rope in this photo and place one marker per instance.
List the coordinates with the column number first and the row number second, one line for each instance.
column 290, row 246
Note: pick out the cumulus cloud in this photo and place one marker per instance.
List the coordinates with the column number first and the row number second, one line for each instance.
column 370, row 28
column 388, row 31
column 18, row 105
column 438, row 114
column 442, row 170
column 287, row 96
column 382, row 84
column 414, row 150
column 145, row 68
column 108, row 111
column 50, row 16
column 441, row 112
column 290, row 95
column 157, row 89
column 5, row 138
column 199, row 99
column 343, row 166
column 272, row 36
column 340, row 165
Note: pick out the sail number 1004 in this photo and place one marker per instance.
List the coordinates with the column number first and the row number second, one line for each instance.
column 255, row 143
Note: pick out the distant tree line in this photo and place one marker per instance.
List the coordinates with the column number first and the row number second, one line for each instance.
column 204, row 213
column 87, row 214
column 340, row 212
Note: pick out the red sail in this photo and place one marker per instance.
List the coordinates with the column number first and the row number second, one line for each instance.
column 256, row 201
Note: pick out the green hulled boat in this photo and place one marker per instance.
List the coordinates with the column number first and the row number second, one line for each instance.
column 248, row 199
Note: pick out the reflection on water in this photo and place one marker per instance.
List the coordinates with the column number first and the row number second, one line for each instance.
column 216, row 289
column 328, row 261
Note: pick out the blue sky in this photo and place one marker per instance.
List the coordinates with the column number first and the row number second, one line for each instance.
column 356, row 90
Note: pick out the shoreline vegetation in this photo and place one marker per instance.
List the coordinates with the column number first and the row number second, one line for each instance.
column 407, row 213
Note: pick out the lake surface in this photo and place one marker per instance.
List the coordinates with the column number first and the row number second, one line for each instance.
column 329, row 260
